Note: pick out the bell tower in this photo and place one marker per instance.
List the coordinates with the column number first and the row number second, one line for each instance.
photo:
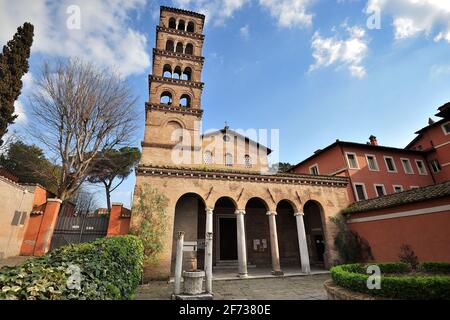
column 174, row 111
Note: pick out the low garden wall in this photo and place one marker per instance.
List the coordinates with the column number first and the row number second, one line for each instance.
column 431, row 281
column 109, row 268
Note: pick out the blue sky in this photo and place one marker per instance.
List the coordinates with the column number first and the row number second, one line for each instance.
column 310, row 68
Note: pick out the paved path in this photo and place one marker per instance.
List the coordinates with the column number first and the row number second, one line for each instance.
column 13, row 261
column 289, row 288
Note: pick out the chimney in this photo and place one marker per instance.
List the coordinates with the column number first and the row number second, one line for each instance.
column 373, row 140
column 317, row 151
column 430, row 121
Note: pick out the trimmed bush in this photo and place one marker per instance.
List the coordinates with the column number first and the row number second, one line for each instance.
column 394, row 286
column 435, row 267
column 108, row 268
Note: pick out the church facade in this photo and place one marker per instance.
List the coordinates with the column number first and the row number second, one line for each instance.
column 220, row 181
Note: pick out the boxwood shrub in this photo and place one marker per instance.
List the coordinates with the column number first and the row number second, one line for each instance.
column 108, row 268
column 396, row 282
column 435, row 267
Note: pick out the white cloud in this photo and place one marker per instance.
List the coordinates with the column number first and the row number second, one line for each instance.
column 334, row 51
column 289, row 13
column 105, row 37
column 19, row 111
column 245, row 32
column 413, row 17
column 438, row 71
column 216, row 11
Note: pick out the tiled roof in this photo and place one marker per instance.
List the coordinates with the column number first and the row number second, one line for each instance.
column 392, row 200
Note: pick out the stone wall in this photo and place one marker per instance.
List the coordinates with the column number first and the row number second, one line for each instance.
column 17, row 203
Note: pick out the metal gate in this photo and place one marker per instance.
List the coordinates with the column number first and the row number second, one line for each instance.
column 78, row 229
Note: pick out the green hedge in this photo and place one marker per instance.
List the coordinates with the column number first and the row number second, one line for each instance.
column 110, row 268
column 393, row 285
column 435, row 267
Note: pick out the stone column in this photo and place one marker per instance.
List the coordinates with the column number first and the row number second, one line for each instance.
column 242, row 245
column 208, row 266
column 179, row 263
column 302, row 244
column 208, row 229
column 275, row 253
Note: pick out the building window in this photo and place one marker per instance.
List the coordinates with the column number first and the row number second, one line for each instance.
column 248, row 161
column 407, row 166
column 435, row 166
column 352, row 160
column 446, row 128
column 226, row 138
column 398, row 188
column 207, row 157
column 390, row 164
column 360, row 190
column 421, row 167
column 372, row 162
column 380, row 190
column 314, row 170
column 229, row 160
column 414, row 187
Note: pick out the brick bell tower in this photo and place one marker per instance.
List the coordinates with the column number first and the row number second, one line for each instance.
column 174, row 112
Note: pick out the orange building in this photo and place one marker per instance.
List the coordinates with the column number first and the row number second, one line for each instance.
column 373, row 170
column 434, row 139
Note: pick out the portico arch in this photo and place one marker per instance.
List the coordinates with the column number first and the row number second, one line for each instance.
column 287, row 234
column 258, row 233
column 315, row 235
column 225, row 232
column 189, row 218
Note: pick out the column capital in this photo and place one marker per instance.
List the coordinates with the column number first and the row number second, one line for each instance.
column 209, row 210
column 238, row 212
column 299, row 214
column 271, row 213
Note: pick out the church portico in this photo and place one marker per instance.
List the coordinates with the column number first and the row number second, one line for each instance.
column 255, row 219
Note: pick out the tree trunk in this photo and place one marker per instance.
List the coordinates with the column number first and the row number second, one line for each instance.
column 108, row 196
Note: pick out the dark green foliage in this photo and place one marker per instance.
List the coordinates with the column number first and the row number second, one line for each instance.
column 30, row 165
column 13, row 65
column 408, row 256
column 351, row 247
column 435, row 267
column 111, row 268
column 113, row 164
column 282, row 167
column 396, row 282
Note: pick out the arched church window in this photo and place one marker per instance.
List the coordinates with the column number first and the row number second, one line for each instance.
column 229, row 160
column 185, row 101
column 187, row 74
column 248, row 161
column 170, row 45
column 189, row 49
column 181, row 25
column 166, row 98
column 176, row 131
column 190, row 26
column 226, row 138
column 179, row 47
column 167, row 71
column 207, row 157
column 172, row 23
column 177, row 73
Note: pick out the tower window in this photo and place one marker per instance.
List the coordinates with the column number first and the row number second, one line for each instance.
column 248, row 161
column 181, row 25
column 166, row 98
column 191, row 26
column 170, row 45
column 167, row 71
column 185, row 101
column 179, row 47
column 172, row 23
column 189, row 49
column 435, row 166
column 226, row 138
column 207, row 157
column 177, row 73
column 187, row 74
column 229, row 160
